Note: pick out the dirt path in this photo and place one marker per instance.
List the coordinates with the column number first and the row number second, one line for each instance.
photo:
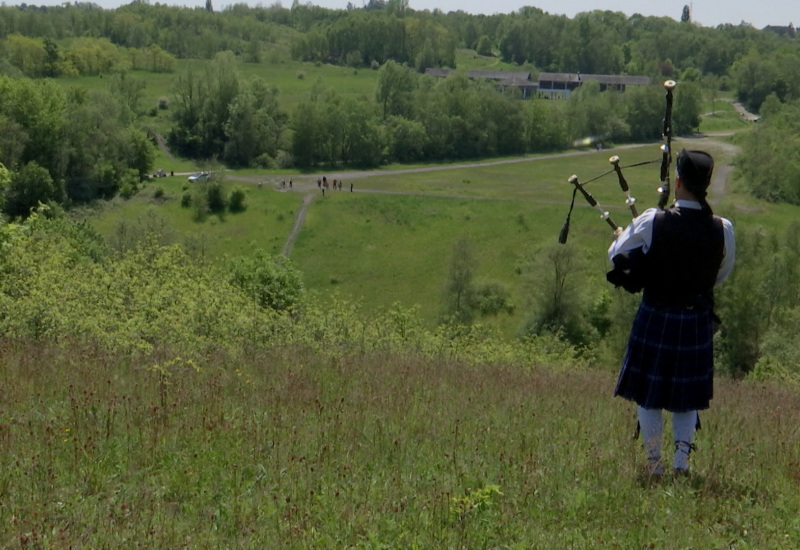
column 162, row 144
column 298, row 224
column 308, row 184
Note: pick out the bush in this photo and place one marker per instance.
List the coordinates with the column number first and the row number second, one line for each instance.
column 186, row 200
column 236, row 200
column 215, row 195
column 273, row 282
column 285, row 159
column 265, row 160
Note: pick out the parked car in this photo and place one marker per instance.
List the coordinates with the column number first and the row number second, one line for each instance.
column 199, row 176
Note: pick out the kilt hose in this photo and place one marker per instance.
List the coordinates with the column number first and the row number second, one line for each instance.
column 669, row 362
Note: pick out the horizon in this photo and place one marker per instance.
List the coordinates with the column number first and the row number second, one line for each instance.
column 709, row 13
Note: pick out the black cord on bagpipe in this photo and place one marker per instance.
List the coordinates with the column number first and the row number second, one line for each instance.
column 664, row 189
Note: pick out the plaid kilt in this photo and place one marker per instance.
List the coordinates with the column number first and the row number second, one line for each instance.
column 669, row 363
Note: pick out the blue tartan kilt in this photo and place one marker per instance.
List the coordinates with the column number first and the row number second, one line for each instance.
column 669, row 362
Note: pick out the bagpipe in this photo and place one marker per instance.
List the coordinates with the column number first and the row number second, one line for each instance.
column 663, row 189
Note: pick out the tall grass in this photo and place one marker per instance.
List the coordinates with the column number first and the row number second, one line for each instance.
column 293, row 449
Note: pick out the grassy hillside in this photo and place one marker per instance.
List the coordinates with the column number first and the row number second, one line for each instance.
column 293, row 79
column 296, row 450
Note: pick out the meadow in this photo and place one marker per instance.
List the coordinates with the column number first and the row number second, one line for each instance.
column 391, row 239
column 292, row 449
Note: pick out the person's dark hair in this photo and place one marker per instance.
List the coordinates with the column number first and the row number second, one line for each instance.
column 695, row 169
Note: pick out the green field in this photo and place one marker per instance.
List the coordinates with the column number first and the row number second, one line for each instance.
column 391, row 240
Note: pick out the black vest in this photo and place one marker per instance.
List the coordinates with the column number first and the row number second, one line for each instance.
column 684, row 258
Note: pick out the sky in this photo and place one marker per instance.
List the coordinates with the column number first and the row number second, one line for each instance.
column 708, row 13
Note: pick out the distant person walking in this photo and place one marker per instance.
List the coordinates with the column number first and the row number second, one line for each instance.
column 677, row 256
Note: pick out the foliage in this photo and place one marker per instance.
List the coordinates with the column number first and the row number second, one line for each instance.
column 553, row 277
column 769, row 157
column 84, row 140
column 152, row 298
column 5, row 179
column 757, row 75
column 216, row 199
column 463, row 298
column 148, row 230
column 236, row 200
column 459, row 290
column 273, row 283
column 30, row 186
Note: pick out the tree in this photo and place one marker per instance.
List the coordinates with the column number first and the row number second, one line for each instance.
column 32, row 115
column 308, row 142
column 484, row 46
column 552, row 277
column 28, row 187
column 101, row 147
column 405, row 139
column 459, row 291
column 644, row 112
column 203, row 106
column 128, row 90
column 754, row 77
column 255, row 125
column 27, row 54
column 395, row 88
column 688, row 105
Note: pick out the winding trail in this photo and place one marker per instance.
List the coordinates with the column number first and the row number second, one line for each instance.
column 308, row 184
column 298, row 224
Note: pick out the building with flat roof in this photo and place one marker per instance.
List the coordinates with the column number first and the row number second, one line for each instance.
column 561, row 85
column 549, row 85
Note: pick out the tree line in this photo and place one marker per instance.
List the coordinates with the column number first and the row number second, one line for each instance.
column 410, row 118
column 85, row 56
column 753, row 62
column 68, row 147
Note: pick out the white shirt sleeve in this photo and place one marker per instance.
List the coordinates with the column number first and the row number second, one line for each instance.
column 638, row 234
column 728, row 253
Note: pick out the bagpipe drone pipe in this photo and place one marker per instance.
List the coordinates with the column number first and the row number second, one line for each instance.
column 663, row 189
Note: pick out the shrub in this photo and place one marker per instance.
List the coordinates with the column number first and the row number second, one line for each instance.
column 273, row 282
column 236, row 200
column 215, row 195
column 285, row 159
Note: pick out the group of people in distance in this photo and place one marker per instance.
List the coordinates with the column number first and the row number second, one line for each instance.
column 323, row 184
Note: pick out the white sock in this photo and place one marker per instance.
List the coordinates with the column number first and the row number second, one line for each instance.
column 652, row 426
column 683, row 425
